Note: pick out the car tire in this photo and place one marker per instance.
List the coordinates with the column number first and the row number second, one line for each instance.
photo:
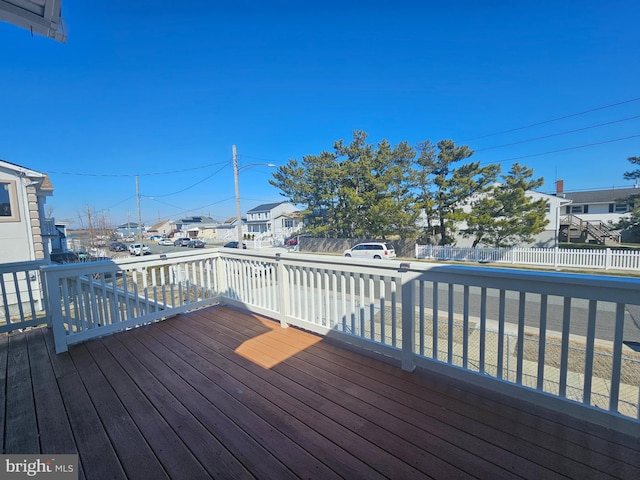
column 377, row 257
column 347, row 254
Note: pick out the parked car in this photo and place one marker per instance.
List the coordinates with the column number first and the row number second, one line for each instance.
column 64, row 257
column 291, row 242
column 117, row 247
column 234, row 245
column 195, row 244
column 181, row 242
column 165, row 241
column 377, row 250
column 139, row 249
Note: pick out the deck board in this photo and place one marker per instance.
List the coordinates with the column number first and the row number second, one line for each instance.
column 220, row 393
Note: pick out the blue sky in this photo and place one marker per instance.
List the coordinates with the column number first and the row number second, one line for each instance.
column 163, row 90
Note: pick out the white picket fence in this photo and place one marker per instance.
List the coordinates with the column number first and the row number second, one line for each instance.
column 606, row 259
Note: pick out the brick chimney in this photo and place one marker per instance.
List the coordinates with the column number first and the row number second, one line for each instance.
column 559, row 187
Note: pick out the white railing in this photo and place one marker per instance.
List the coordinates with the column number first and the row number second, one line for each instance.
column 96, row 298
column 21, row 296
column 545, row 336
column 605, row 259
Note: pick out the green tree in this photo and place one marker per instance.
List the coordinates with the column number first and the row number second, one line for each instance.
column 505, row 215
column 633, row 174
column 358, row 190
column 632, row 223
column 452, row 188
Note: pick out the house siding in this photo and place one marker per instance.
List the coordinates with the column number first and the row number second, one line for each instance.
column 21, row 239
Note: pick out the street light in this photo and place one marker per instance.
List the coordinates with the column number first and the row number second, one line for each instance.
column 236, row 171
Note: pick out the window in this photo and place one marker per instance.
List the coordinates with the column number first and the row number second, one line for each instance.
column 8, row 202
column 576, row 209
column 621, row 208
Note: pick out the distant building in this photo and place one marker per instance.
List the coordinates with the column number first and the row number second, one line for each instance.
column 277, row 220
column 195, row 227
column 163, row 228
column 227, row 231
column 546, row 239
column 592, row 214
column 129, row 229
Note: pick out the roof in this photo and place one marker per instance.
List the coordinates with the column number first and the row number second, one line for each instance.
column 197, row 219
column 265, row 207
column 159, row 224
column 611, row 195
column 20, row 169
column 38, row 16
column 40, row 180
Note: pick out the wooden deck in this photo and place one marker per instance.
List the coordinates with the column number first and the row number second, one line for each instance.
column 219, row 393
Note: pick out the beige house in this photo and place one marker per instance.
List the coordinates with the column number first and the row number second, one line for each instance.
column 25, row 233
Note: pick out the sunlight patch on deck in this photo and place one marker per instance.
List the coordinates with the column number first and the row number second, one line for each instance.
column 275, row 346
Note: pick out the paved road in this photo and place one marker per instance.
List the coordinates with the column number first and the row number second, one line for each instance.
column 605, row 317
column 605, row 322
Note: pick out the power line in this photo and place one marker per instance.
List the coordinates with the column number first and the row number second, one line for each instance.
column 186, row 210
column 556, row 134
column 553, row 120
column 190, row 186
column 258, row 158
column 172, row 172
column 564, row 149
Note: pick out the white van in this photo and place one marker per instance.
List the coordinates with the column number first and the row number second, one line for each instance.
column 377, row 250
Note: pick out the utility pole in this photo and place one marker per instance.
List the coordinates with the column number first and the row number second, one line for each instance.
column 237, row 185
column 89, row 225
column 139, row 213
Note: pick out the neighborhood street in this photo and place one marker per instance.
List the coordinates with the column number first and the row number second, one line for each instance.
column 579, row 312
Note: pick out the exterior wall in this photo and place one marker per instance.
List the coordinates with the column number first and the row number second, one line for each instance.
column 16, row 240
column 24, row 235
column 227, row 233
column 163, row 228
column 263, row 221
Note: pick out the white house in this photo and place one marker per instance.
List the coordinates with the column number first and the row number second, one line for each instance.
column 195, row 227
column 547, row 238
column 277, row 220
column 25, row 233
column 592, row 215
column 608, row 206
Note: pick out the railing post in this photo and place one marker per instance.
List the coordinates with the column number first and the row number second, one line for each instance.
column 283, row 291
column 607, row 259
column 221, row 274
column 53, row 295
column 408, row 323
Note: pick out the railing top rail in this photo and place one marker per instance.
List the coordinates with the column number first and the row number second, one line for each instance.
column 21, row 266
column 599, row 287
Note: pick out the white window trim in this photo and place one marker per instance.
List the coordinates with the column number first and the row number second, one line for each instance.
column 13, row 202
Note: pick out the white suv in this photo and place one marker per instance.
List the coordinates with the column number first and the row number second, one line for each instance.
column 377, row 250
column 138, row 249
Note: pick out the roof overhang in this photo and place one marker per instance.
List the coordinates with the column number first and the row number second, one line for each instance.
column 38, row 16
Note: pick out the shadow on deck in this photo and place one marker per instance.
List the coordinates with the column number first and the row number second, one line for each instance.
column 220, row 393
